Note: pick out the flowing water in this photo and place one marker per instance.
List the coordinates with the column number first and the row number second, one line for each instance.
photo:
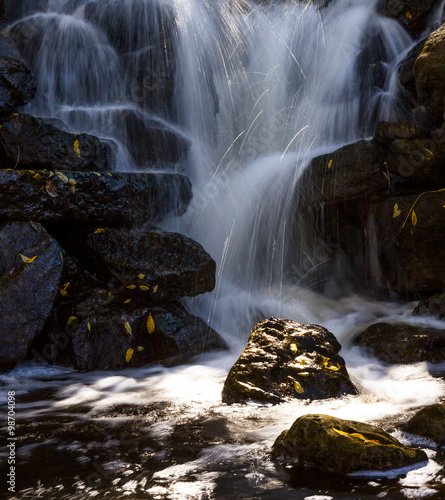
column 259, row 90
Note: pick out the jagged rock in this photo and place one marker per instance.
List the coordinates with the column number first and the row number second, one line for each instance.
column 112, row 198
column 343, row 446
column 17, row 84
column 434, row 306
column 403, row 343
column 403, row 244
column 283, row 360
column 412, row 14
column 29, row 142
column 353, row 171
column 151, row 264
column 30, row 274
column 429, row 73
column 429, row 422
column 100, row 334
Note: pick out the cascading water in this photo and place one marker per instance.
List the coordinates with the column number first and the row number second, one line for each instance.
column 258, row 90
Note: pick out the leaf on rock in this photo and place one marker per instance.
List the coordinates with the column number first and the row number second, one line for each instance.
column 99, row 230
column 51, row 188
column 28, row 260
column 131, row 287
column 150, row 324
column 294, row 348
column 330, row 163
column 62, row 177
column 89, row 327
column 76, row 148
column 73, row 183
column 70, row 320
column 155, row 289
column 141, row 276
column 129, row 355
column 127, row 301
column 356, row 435
column 140, row 348
column 144, row 288
column 298, row 387
column 128, row 328
column 414, row 218
column 334, row 368
column 397, row 211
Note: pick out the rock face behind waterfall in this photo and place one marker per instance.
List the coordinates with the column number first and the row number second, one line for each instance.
column 343, row 447
column 287, row 360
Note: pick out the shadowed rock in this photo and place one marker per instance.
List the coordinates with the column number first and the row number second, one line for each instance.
column 429, row 422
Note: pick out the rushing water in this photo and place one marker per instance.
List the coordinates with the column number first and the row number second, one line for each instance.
column 259, row 91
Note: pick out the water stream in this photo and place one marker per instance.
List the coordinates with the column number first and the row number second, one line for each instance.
column 259, row 90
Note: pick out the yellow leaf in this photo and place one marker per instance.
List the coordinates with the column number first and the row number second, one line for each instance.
column 71, row 319
column 128, row 328
column 73, row 184
column 127, row 301
column 129, row 355
column 302, row 362
column 131, row 287
column 62, row 177
column 330, row 163
column 38, row 176
column 303, row 374
column 298, row 388
column 409, row 15
column 155, row 289
column 294, row 348
column 414, row 218
column 150, row 324
column 430, row 152
column 140, row 348
column 28, row 260
column 76, row 148
column 366, row 232
column 144, row 288
column 89, row 327
column 141, row 276
column 334, row 368
column 63, row 290
column 397, row 211
column 356, row 435
column 51, row 188
column 325, row 361
column 99, row 230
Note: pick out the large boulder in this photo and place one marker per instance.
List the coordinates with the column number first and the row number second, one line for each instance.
column 429, row 422
column 30, row 274
column 28, row 142
column 402, row 243
column 112, row 198
column 17, row 84
column 287, row 360
column 429, row 73
column 403, row 343
column 343, row 447
column 102, row 332
column 433, row 306
column 150, row 264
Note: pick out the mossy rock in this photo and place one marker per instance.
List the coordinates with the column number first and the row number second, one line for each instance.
column 287, row 360
column 342, row 446
column 430, row 423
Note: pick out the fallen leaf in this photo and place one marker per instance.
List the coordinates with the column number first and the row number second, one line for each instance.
column 76, row 148
column 129, row 355
column 356, row 435
column 63, row 290
column 62, row 177
column 89, row 327
column 334, row 368
column 414, row 218
column 127, row 301
column 330, row 163
column 144, row 288
column 128, row 328
column 397, row 211
column 51, row 188
column 155, row 289
column 294, row 348
column 141, row 276
column 73, row 184
column 28, row 260
column 71, row 319
column 298, row 388
column 99, row 230
column 303, row 374
column 150, row 324
column 140, row 348
column 131, row 287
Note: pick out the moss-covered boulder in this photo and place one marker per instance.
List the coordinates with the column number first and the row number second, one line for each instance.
column 430, row 423
column 287, row 360
column 429, row 73
column 403, row 343
column 343, row 446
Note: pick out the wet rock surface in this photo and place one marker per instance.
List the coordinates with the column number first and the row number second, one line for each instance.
column 412, row 14
column 151, row 263
column 30, row 274
column 287, row 360
column 403, row 343
column 28, row 142
column 342, row 446
column 111, row 198
column 429, row 422
column 433, row 306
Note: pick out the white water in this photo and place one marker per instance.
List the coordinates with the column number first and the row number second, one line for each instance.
column 260, row 91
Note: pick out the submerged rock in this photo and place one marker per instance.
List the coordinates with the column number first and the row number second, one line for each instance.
column 112, row 198
column 100, row 334
column 30, row 274
column 17, row 84
column 284, row 360
column 434, row 306
column 343, row 446
column 403, row 343
column 429, row 422
column 151, row 264
column 28, row 142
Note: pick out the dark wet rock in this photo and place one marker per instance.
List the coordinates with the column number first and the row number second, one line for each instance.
column 151, row 264
column 342, row 446
column 115, row 198
column 429, row 422
column 429, row 73
column 287, row 360
column 433, row 306
column 30, row 274
column 412, row 14
column 386, row 132
column 101, row 334
column 403, row 243
column 406, row 67
column 148, row 139
column 17, row 83
column 29, row 142
column 15, row 9
column 353, row 171
column 403, row 343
